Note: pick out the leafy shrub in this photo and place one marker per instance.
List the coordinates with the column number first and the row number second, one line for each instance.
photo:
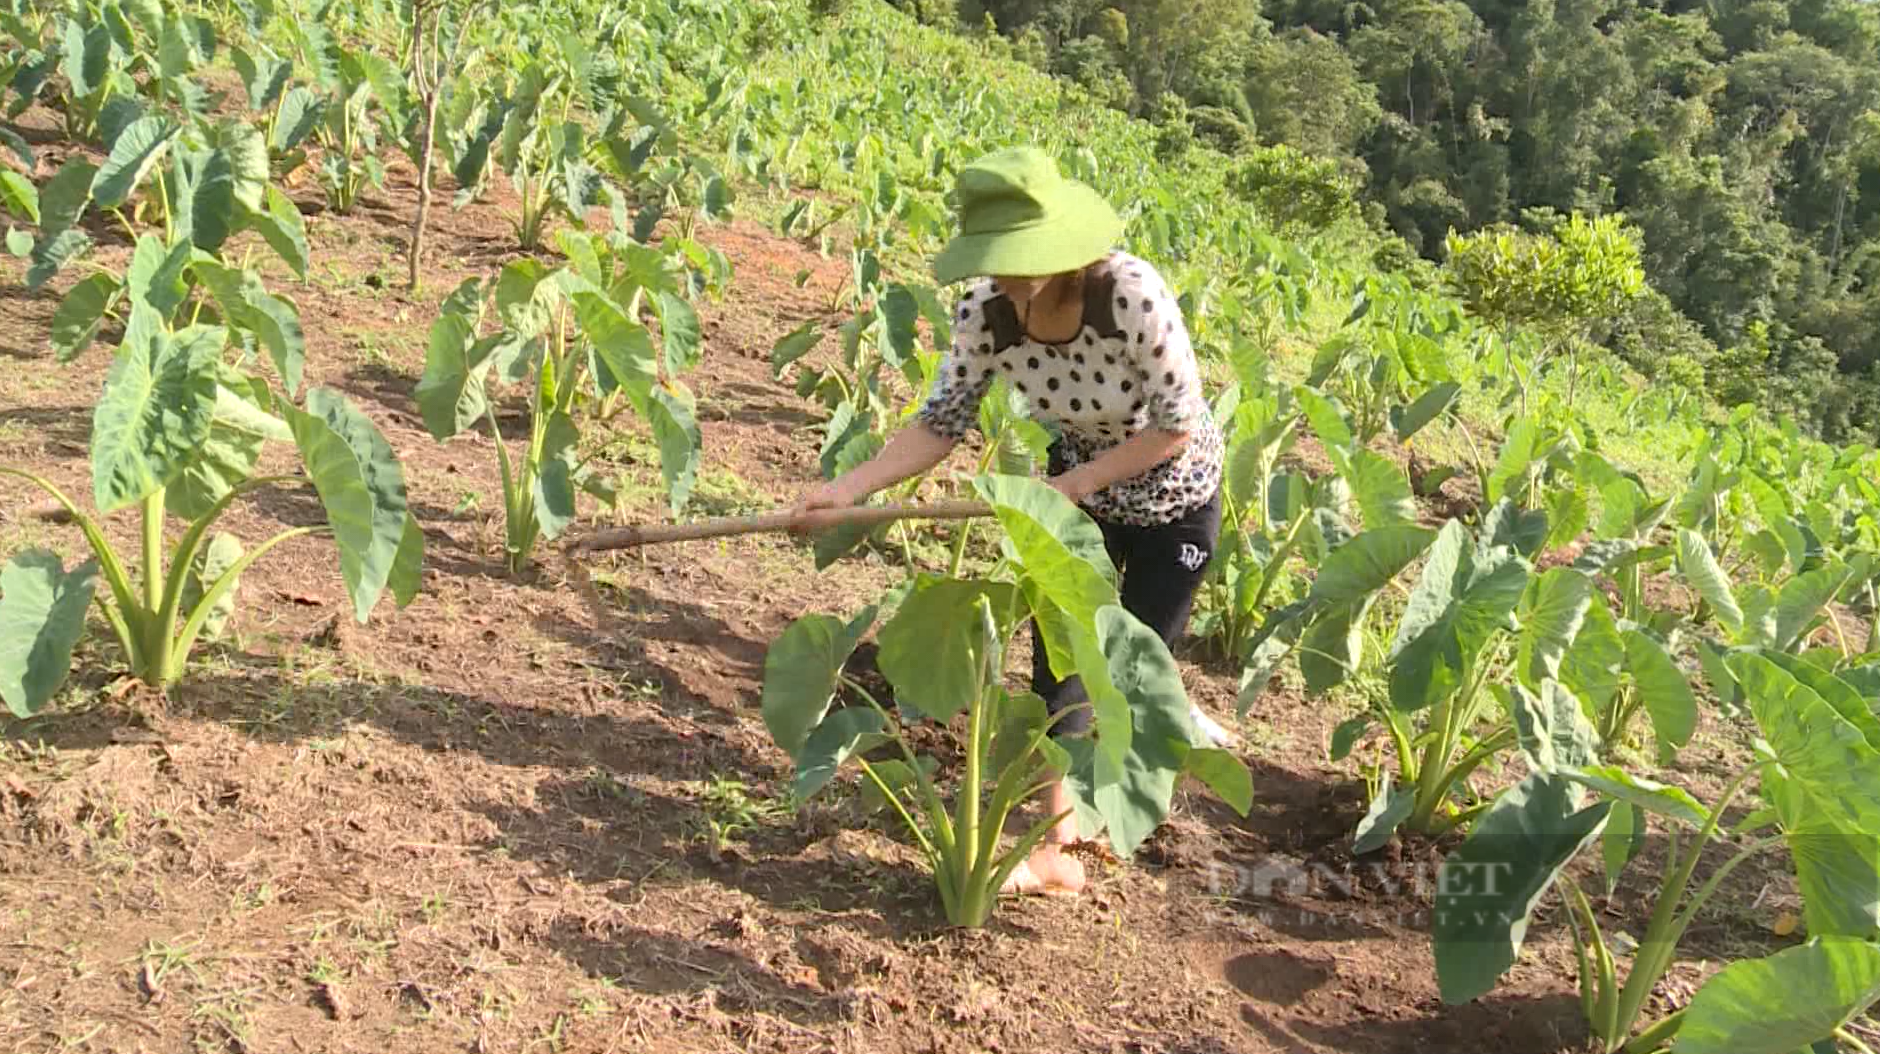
column 1651, row 331
column 1558, row 285
column 1175, row 133
column 942, row 14
column 1393, row 254
column 1584, row 270
column 1223, row 129
column 1090, row 62
column 1299, row 193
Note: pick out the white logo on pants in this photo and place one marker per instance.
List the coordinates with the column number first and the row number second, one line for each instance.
column 1192, row 556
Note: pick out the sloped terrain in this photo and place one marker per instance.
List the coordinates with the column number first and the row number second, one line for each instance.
column 506, row 819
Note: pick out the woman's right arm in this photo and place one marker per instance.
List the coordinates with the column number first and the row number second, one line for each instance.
column 912, row 451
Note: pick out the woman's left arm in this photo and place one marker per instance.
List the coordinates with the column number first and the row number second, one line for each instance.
column 1131, row 457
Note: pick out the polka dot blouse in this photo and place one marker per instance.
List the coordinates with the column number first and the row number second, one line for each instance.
column 1128, row 368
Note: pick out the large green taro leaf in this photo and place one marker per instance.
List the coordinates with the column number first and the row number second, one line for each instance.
column 451, row 393
column 82, row 313
column 282, row 227
column 1131, row 793
column 1838, row 870
column 1368, row 562
column 136, row 151
column 1552, row 613
column 1552, row 729
column 622, row 346
column 1592, row 665
column 1801, row 599
column 934, row 648
column 554, row 486
column 362, row 486
column 841, row 735
column 1487, row 889
column 1783, row 1003
column 1060, row 555
column 42, row 615
column 1380, row 487
column 671, row 409
column 1705, row 575
column 155, row 275
column 1663, row 688
column 242, row 425
column 159, row 400
column 1462, row 598
column 1847, row 700
column 1621, row 786
column 801, row 671
column 1342, row 595
column 1822, row 753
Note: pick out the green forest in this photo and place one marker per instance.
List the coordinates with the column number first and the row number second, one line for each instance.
column 1739, row 139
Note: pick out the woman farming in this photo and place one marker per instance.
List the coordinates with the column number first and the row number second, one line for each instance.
column 1094, row 340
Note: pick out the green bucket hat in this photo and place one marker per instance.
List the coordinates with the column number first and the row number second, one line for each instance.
column 1020, row 217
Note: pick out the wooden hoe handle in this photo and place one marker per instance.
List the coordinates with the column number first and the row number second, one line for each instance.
column 859, row 516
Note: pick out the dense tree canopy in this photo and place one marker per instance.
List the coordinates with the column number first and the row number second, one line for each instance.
column 1741, row 138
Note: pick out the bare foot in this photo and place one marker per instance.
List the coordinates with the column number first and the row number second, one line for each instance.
column 1049, row 871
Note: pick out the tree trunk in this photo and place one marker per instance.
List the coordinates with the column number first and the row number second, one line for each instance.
column 426, row 73
column 430, row 77
column 1840, row 218
column 426, row 147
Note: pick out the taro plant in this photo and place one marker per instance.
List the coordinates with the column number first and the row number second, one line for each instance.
column 880, row 340
column 1538, row 467
column 527, row 126
column 178, row 431
column 543, row 149
column 574, row 337
column 198, row 183
column 1617, row 668
column 1390, row 371
column 1447, row 649
column 942, row 651
column 110, row 56
column 689, row 188
column 181, row 424
column 1624, row 544
column 294, row 113
column 352, row 128
column 1326, row 628
column 1264, row 511
column 1480, row 640
column 1815, row 766
column 1781, row 619
column 539, row 487
column 946, row 645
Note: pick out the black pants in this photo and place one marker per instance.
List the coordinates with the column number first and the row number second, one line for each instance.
column 1161, row 569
